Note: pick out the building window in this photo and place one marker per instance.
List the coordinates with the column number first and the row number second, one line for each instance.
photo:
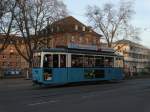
column 87, row 40
column 94, row 42
column 90, row 30
column 4, row 64
column 4, row 57
column 119, row 47
column 72, row 39
column 11, row 56
column 80, row 39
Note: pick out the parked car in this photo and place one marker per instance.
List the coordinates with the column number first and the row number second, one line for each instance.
column 12, row 72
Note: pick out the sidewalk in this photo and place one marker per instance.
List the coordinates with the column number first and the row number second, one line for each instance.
column 17, row 82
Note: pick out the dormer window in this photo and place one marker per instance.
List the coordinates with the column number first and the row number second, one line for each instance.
column 76, row 27
column 52, row 29
column 72, row 39
column 83, row 28
column 90, row 30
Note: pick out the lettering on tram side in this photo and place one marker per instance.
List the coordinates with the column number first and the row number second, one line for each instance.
column 89, row 74
column 92, row 74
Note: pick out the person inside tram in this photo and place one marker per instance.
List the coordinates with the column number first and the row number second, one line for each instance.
column 106, row 63
column 45, row 62
column 62, row 61
column 73, row 63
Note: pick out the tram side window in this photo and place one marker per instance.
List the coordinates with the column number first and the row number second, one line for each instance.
column 62, row 60
column 55, row 61
column 77, row 61
column 99, row 61
column 89, row 61
column 109, row 61
column 48, row 60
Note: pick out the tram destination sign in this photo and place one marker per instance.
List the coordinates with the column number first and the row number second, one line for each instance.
column 90, row 47
column 82, row 46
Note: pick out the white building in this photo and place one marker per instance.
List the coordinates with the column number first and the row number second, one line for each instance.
column 136, row 56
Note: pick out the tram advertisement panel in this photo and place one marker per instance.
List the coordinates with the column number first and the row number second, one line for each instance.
column 92, row 74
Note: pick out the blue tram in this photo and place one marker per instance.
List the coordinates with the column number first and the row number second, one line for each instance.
column 68, row 65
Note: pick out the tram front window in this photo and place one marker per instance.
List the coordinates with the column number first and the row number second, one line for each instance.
column 36, row 61
column 54, row 60
column 47, row 61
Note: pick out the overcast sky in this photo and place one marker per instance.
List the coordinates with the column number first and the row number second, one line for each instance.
column 140, row 19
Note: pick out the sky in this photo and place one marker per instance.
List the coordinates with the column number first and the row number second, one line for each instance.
column 141, row 18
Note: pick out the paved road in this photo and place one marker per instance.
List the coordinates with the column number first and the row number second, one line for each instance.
column 127, row 96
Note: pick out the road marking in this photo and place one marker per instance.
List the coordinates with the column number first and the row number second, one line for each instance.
column 20, row 85
column 90, row 95
column 44, row 102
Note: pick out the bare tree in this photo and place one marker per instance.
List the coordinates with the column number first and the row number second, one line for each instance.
column 6, row 22
column 3, row 7
column 113, row 22
column 31, row 17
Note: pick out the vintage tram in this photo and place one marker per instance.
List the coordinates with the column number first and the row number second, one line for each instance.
column 69, row 65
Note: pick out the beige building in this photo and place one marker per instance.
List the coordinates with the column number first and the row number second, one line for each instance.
column 136, row 56
column 67, row 32
column 10, row 58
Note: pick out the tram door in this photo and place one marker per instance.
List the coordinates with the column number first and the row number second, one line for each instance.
column 59, row 68
column 54, row 66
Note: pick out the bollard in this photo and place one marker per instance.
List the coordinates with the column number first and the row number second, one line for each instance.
column 27, row 75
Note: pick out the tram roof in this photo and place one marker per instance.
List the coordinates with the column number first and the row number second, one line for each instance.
column 78, row 51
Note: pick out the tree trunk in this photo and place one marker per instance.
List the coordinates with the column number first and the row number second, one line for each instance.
column 30, row 70
column 109, row 45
